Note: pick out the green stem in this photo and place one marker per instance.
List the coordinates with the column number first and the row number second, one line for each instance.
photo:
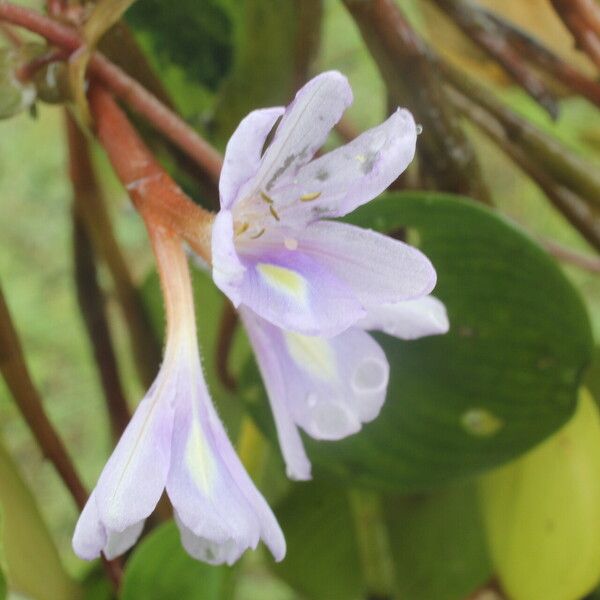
column 548, row 153
column 374, row 545
column 489, row 35
column 573, row 208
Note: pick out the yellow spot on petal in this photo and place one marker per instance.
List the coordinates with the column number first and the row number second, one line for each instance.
column 361, row 158
column 310, row 197
column 199, row 459
column 312, row 354
column 283, row 280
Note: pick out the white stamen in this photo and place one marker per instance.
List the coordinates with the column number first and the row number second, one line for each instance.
column 290, row 243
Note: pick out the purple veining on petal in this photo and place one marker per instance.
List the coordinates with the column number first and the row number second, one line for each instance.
column 305, row 125
column 244, row 151
column 304, row 296
column 176, row 440
column 134, row 477
column 377, row 268
column 276, row 217
column 351, row 175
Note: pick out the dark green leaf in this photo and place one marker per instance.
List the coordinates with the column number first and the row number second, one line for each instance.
column 160, row 568
column 195, row 36
column 592, row 377
column 438, row 544
column 96, row 586
column 322, row 557
column 503, row 379
column 263, row 69
column 436, row 541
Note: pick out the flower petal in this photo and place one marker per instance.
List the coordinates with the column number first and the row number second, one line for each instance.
column 120, row 541
column 220, row 512
column 206, row 550
column 377, row 268
column 265, row 348
column 134, row 476
column 408, row 320
column 293, row 291
column 243, row 153
column 332, row 385
column 350, row 176
column 91, row 537
column 227, row 270
column 304, row 127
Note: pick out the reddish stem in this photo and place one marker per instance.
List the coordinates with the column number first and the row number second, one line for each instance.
column 28, row 70
column 582, row 18
column 89, row 293
column 155, row 195
column 126, row 88
column 146, row 347
column 541, row 56
column 573, row 257
column 491, row 37
column 446, row 157
column 14, row 369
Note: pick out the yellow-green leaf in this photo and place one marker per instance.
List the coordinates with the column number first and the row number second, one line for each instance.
column 33, row 566
column 542, row 513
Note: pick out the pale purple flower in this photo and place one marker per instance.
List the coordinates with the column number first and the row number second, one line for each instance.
column 329, row 387
column 274, row 252
column 175, row 441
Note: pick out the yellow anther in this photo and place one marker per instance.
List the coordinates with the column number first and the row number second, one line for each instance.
column 273, row 212
column 257, row 235
column 266, row 198
column 309, row 197
column 241, row 228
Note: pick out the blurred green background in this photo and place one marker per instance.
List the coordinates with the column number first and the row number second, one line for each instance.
column 36, row 259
